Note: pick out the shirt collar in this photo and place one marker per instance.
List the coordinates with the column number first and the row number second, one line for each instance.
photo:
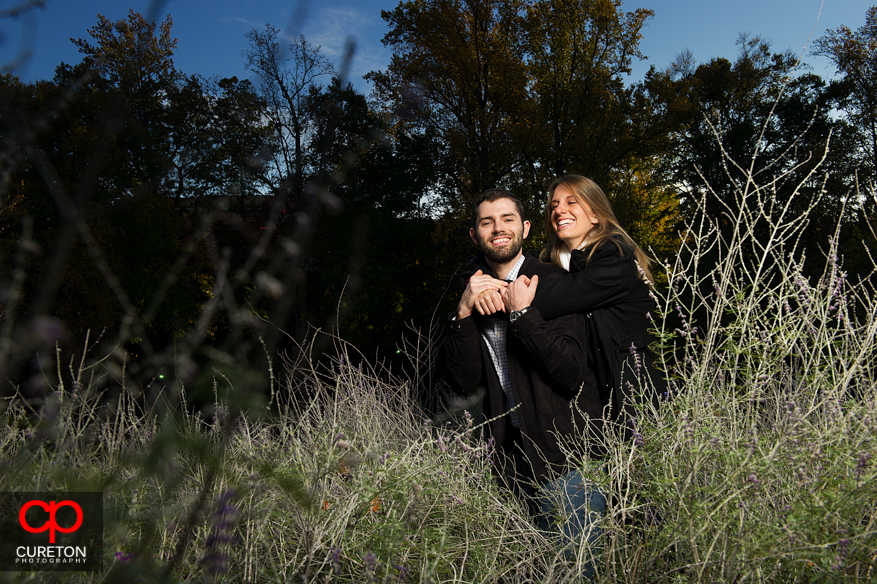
column 513, row 273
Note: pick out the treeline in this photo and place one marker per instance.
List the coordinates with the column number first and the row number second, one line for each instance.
column 305, row 202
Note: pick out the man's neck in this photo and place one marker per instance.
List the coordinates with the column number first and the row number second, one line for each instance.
column 502, row 270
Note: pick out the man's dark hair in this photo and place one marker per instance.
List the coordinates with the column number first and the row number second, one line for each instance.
column 491, row 195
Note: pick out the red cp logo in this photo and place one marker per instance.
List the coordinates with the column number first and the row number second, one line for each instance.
column 51, row 524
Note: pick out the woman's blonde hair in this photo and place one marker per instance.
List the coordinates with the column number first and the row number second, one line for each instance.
column 606, row 230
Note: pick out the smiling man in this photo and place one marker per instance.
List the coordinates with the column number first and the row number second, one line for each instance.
column 538, row 389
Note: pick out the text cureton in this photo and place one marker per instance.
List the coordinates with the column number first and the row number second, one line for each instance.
column 50, row 551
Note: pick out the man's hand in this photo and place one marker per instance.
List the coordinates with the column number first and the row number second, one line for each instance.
column 479, row 288
column 520, row 293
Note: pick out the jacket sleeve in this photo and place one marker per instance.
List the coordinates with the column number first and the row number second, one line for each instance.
column 462, row 351
column 556, row 346
column 605, row 281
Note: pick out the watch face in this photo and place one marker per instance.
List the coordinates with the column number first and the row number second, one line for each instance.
column 516, row 314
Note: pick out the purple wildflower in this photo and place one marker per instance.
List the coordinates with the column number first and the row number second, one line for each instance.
column 441, row 444
column 638, row 439
column 862, row 464
column 123, row 557
column 370, row 565
column 636, row 357
column 223, row 520
column 842, row 551
column 335, row 560
column 687, row 428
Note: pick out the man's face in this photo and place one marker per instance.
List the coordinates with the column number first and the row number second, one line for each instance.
column 500, row 232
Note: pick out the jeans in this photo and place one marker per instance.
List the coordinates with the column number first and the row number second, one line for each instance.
column 572, row 509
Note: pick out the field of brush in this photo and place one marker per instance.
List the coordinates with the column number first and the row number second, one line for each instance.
column 758, row 466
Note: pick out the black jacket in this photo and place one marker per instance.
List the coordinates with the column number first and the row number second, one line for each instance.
column 548, row 372
column 616, row 301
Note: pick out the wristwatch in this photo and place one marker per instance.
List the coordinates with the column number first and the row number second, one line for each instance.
column 516, row 314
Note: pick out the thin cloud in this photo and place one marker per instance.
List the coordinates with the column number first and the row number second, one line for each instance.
column 333, row 28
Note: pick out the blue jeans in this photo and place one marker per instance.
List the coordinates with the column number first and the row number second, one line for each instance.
column 572, row 509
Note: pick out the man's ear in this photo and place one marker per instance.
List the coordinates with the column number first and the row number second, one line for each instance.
column 472, row 235
column 526, row 229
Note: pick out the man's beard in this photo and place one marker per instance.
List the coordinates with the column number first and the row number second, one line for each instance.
column 505, row 253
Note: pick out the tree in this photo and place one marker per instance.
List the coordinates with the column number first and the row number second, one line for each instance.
column 760, row 117
column 138, row 64
column 93, row 157
column 373, row 266
column 73, row 189
column 220, row 139
column 854, row 55
column 286, row 74
column 458, row 71
column 578, row 51
column 245, row 140
column 522, row 92
column 130, row 55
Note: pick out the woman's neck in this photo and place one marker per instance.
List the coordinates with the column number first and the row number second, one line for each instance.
column 581, row 244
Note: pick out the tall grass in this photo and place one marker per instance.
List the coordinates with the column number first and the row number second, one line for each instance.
column 759, row 464
column 349, row 481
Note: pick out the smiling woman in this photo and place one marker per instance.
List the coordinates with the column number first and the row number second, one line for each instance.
column 608, row 281
column 580, row 217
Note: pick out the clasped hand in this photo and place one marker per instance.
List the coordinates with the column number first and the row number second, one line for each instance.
column 488, row 295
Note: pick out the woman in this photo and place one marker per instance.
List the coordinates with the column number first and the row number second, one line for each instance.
column 609, row 282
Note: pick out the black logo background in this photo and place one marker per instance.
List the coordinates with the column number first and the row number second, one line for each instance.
column 89, row 534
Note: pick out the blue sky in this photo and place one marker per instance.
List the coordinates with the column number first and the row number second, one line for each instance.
column 210, row 33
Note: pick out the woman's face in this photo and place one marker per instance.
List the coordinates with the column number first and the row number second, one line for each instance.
column 571, row 220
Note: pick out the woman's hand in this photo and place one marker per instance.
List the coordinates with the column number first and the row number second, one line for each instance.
column 520, row 293
column 490, row 301
column 482, row 292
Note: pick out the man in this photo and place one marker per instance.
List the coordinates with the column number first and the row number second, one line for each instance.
column 540, row 392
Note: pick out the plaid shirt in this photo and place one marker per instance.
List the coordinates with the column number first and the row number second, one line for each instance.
column 494, row 333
